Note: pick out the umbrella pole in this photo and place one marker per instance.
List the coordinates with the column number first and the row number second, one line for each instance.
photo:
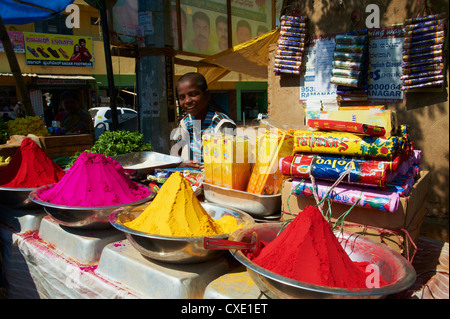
column 15, row 69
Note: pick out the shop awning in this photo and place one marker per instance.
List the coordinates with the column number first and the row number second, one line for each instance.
column 250, row 58
column 28, row 11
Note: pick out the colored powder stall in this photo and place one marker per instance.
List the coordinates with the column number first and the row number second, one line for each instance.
column 94, row 180
column 308, row 251
column 30, row 167
column 176, row 211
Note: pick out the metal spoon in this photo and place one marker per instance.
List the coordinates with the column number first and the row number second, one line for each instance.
column 224, row 244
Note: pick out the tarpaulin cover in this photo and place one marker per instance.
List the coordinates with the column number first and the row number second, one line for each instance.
column 249, row 58
column 28, row 11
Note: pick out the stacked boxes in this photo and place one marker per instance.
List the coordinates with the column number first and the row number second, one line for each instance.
column 227, row 161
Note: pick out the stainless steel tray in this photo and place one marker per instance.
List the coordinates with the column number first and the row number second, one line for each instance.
column 170, row 249
column 139, row 164
column 253, row 204
column 394, row 268
column 82, row 217
column 16, row 197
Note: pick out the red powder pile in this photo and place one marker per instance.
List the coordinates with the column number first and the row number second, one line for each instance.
column 94, row 180
column 30, row 167
column 308, row 251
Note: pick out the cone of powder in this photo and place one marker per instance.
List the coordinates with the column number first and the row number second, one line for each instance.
column 94, row 180
column 176, row 211
column 308, row 251
column 30, row 167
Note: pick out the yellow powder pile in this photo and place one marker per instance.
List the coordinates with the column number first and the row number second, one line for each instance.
column 176, row 211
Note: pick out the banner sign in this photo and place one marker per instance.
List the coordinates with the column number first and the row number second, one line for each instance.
column 385, row 50
column 58, row 50
column 385, row 53
column 16, row 38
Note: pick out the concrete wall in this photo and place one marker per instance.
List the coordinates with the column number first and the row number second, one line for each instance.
column 426, row 113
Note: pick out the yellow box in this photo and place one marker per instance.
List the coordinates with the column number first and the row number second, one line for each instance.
column 384, row 118
column 207, row 158
column 236, row 167
column 217, row 159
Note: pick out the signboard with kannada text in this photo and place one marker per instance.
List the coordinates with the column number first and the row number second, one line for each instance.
column 58, row 50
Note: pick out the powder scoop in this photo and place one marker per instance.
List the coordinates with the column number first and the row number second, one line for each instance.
column 223, row 244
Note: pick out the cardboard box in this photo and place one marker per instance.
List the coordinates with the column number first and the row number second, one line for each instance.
column 407, row 218
column 384, row 118
column 66, row 145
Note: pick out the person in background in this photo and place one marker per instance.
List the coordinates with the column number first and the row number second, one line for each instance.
column 76, row 55
column 222, row 33
column 73, row 118
column 243, row 31
column 202, row 27
column 201, row 117
column 6, row 117
column 19, row 110
column 86, row 56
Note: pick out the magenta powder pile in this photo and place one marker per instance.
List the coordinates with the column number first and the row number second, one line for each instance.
column 94, row 180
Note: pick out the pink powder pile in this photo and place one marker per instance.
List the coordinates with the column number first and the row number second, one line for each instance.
column 94, row 180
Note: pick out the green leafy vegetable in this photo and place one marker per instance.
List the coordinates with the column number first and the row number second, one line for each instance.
column 112, row 143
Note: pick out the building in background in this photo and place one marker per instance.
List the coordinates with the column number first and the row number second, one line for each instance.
column 49, row 55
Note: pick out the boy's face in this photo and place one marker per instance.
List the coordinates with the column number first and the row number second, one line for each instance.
column 192, row 100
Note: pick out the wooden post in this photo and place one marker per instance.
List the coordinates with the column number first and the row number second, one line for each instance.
column 15, row 69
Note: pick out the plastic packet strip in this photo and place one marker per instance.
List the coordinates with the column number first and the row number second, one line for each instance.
column 293, row 18
column 425, row 24
column 429, row 42
column 422, row 49
column 421, row 74
column 425, row 18
column 330, row 168
column 423, row 68
column 351, row 39
column 434, row 28
column 422, row 55
column 413, row 63
column 287, row 62
column 282, row 70
column 289, row 52
column 346, row 73
column 353, row 48
column 347, row 56
column 422, row 80
column 422, row 85
column 290, row 28
column 348, row 195
column 288, row 58
column 346, row 65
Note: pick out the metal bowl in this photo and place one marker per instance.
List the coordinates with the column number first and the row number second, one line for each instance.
column 16, row 197
column 139, row 164
column 395, row 270
column 82, row 217
column 255, row 205
column 176, row 250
